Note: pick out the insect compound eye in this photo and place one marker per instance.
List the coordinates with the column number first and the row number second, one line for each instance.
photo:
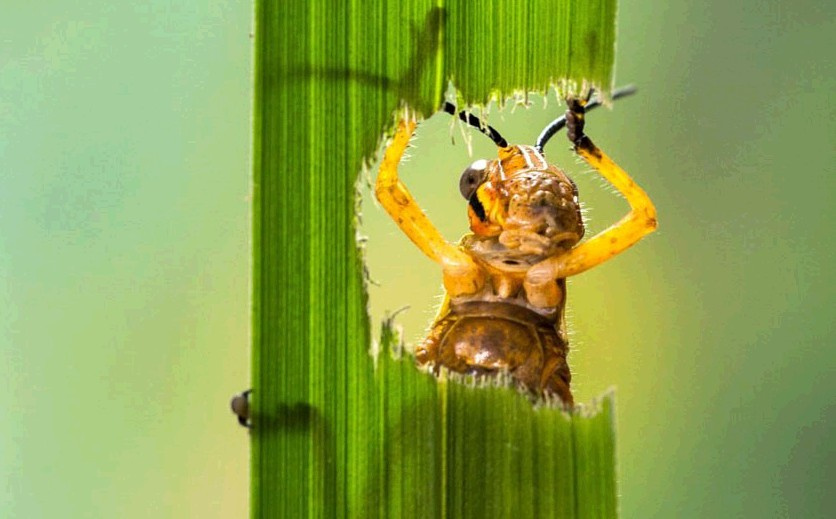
column 472, row 178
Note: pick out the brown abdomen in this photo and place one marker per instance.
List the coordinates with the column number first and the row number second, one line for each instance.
column 483, row 338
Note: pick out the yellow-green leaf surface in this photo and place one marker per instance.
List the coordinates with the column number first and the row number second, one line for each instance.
column 338, row 432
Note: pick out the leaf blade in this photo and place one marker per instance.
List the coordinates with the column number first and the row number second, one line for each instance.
column 333, row 435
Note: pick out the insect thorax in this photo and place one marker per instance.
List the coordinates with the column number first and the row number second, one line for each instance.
column 505, row 271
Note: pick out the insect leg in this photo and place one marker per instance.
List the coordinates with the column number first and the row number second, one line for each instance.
column 641, row 220
column 461, row 274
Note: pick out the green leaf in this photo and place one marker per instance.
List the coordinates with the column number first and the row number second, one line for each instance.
column 338, row 431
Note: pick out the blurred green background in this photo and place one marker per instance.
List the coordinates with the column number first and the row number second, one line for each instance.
column 124, row 257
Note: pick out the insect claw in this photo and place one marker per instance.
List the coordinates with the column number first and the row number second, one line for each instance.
column 589, row 95
column 561, row 122
column 575, row 120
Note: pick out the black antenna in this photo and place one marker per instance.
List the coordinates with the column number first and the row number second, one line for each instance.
column 474, row 121
column 558, row 124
